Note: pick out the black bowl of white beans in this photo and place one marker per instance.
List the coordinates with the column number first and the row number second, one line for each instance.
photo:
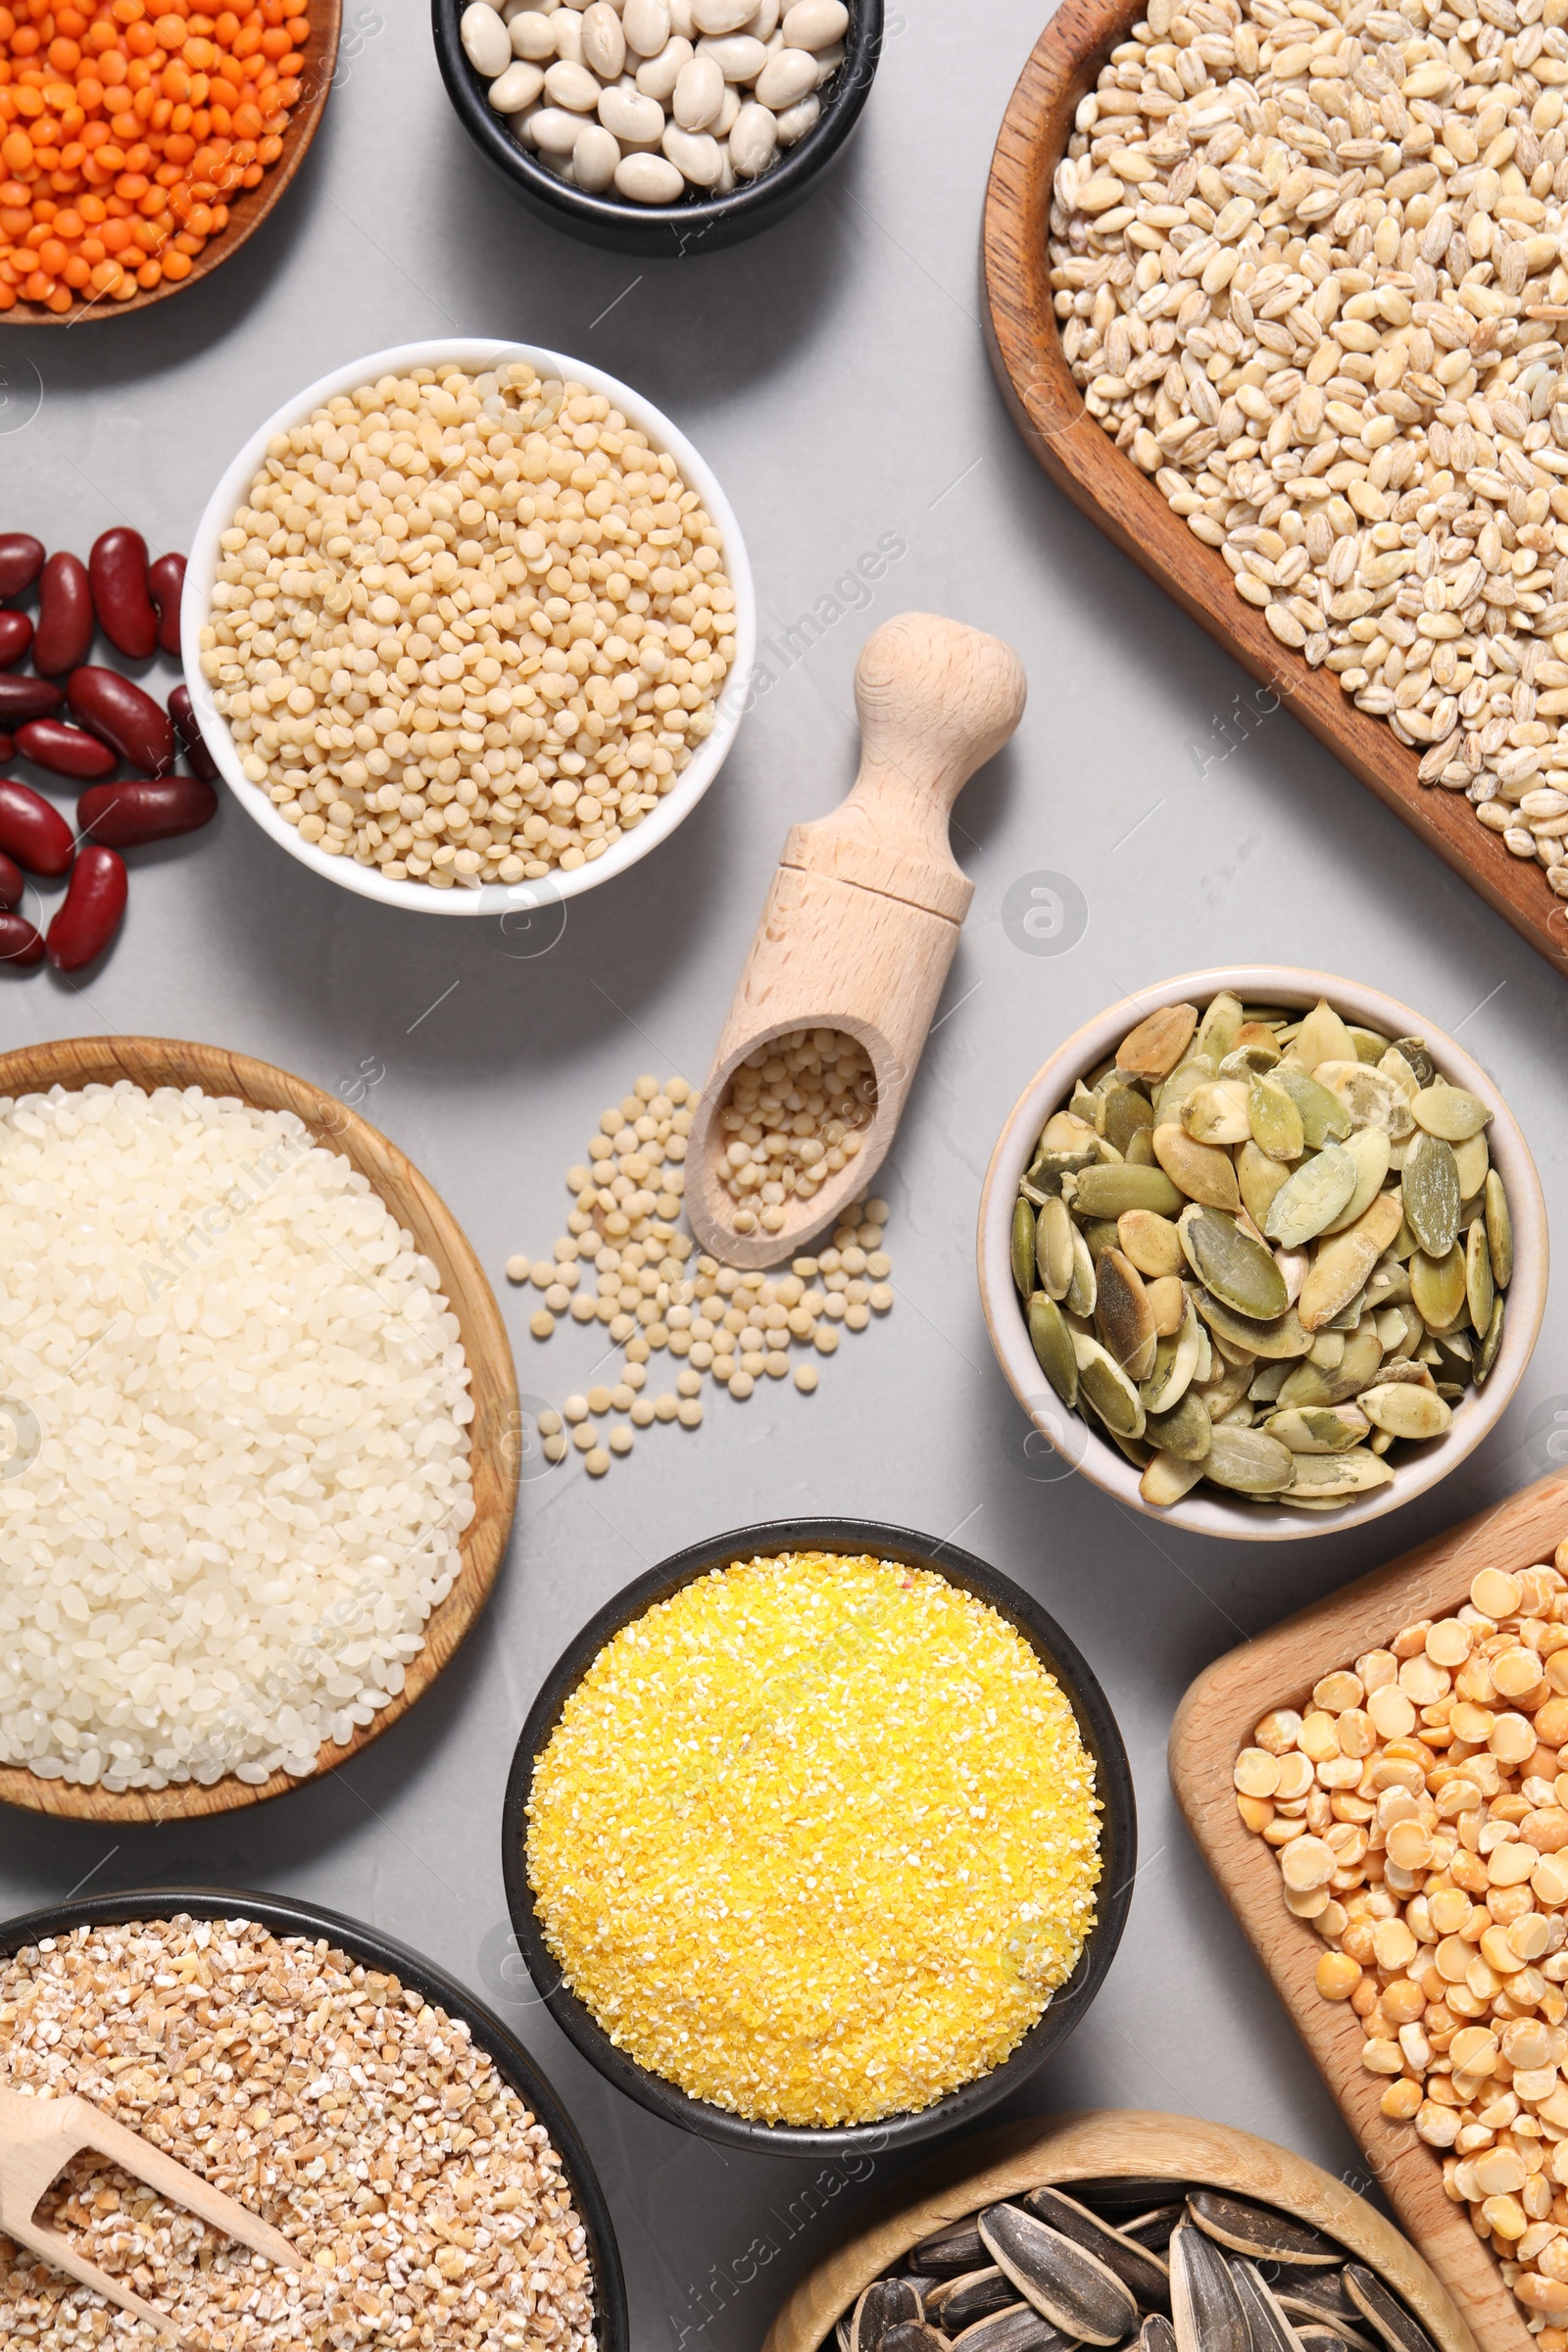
column 658, row 126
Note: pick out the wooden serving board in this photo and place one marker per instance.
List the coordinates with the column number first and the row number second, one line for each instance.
column 1215, row 1719
column 1083, row 460
column 1130, row 2144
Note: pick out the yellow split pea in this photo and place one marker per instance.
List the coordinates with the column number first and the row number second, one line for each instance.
column 816, row 1839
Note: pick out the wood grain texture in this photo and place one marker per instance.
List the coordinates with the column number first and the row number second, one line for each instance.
column 1129, row 2143
column 1083, row 460
column 862, row 918
column 154, row 1062
column 248, row 208
column 1215, row 1719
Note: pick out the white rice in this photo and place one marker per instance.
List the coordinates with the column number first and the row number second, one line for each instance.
column 233, row 1441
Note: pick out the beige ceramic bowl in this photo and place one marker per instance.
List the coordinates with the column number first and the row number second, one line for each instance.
column 1204, row 1510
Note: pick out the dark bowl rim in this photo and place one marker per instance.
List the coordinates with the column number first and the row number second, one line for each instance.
column 690, row 220
column 1118, row 1834
column 369, row 1948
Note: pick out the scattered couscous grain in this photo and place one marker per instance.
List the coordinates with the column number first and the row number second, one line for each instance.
column 816, row 1839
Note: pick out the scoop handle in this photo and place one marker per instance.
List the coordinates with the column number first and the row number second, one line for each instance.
column 936, row 701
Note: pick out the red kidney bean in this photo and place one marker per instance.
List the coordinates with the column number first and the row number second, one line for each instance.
column 117, row 565
column 21, row 562
column 124, row 815
column 117, row 709
column 89, row 914
column 165, row 581
column 32, row 830
column 64, row 750
column 11, row 884
column 182, row 712
column 26, row 698
column 16, row 635
column 65, row 617
column 21, row 942
column 8, row 745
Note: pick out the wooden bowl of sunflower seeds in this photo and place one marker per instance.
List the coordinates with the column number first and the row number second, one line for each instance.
column 1154, row 2232
column 1262, row 1252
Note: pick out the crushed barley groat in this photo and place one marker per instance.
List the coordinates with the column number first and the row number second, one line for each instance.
column 428, row 2205
column 816, row 1839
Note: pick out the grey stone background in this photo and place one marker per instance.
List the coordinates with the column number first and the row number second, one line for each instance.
column 833, row 372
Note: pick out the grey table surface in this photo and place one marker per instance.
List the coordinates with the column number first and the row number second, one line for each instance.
column 834, row 375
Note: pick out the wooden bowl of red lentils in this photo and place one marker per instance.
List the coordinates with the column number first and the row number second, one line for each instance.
column 142, row 141
column 819, row 1838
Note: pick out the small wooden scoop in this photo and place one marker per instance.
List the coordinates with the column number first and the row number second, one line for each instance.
column 863, row 915
column 38, row 2138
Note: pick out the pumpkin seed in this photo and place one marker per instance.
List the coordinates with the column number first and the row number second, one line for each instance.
column 1047, row 1169
column 1196, row 1070
column 1201, row 1171
column 1324, row 1117
column 1370, row 1044
column 1280, row 1339
column 1449, row 1111
column 1250, row 1061
column 1185, row 1431
column 1313, row 1384
column 1437, row 1286
column 1205, row 2309
column 1220, row 1027
column 1054, row 1248
column 1317, row 1429
column 1141, row 2273
column 1480, row 1287
column 1126, row 1112
column 1168, row 1301
column 1023, row 1246
column 1432, row 1193
column 1261, row 1179
column 1274, row 1120
column 1371, row 1099
column 1248, row 1461
column 1101, row 1234
column 1106, row 1387
column 1065, row 1131
column 1123, row 1316
column 1406, row 1409
column 1050, row 1337
column 1321, row 1476
column 1073, row 2289
column 1141, row 1150
column 885, row 2304
column 1156, row 1045
column 1167, row 1479
column 1311, row 1197
column 1487, row 1354
column 1500, row 1231
column 1418, row 1053
column 1368, row 1147
column 1080, row 1298
column 1151, row 1242
column 1472, row 1160
column 1238, row 1270
column 1389, row 2318
column 1110, row 1192
column 1394, row 1068
column 1321, row 1036
column 1217, row 1113
column 1176, row 1361
column 1340, row 1266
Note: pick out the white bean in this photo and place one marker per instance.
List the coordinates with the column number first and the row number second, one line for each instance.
column 658, row 76
column 572, row 86
column 555, row 132
column 795, row 121
column 649, row 180
column 721, row 16
column 522, row 125
column 637, row 122
column 485, row 41
column 646, row 23
column 569, row 36
column 694, row 155
column 739, row 58
column 519, row 86
column 511, row 10
column 699, row 94
column 533, row 35
column 726, row 179
column 786, row 78
column 828, row 62
column 813, row 24
column 594, row 158
column 728, row 112
column 753, row 140
column 763, row 25
column 604, row 41
column 680, row 19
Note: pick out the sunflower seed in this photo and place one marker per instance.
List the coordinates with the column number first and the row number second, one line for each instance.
column 958, row 2302
column 1248, row 1461
column 1267, row 2326
column 1019, row 2329
column 1315, row 2336
column 1123, row 1316
column 1200, row 1170
column 1500, row 1231
column 1311, row 1198
column 1260, row 2231
column 885, row 2303
column 952, row 2251
column 840, row 2332
column 1114, row 2193
column 1318, row 2294
column 1074, row 2290
column 1430, row 1182
column 1155, row 1048
column 1438, row 1286
column 1449, row 1111
column 1239, row 1271
column 1390, row 2318
column 1154, row 2227
column 1205, row 2309
column 914, row 2335
column 1110, row 1192
column 1157, row 2334
column 1141, row 2273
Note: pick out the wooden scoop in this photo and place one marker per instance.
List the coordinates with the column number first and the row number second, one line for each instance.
column 38, row 2138
column 863, row 915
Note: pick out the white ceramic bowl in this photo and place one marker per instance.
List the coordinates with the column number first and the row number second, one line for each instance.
column 1202, row 1510
column 493, row 898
